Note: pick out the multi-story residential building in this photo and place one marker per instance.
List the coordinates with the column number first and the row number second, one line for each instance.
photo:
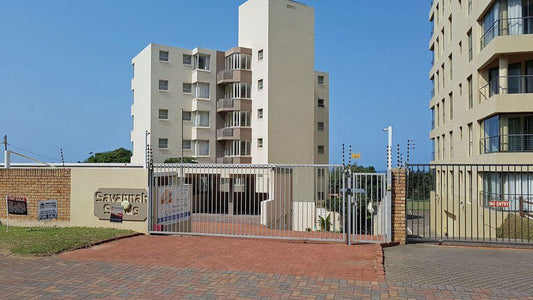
column 482, row 103
column 260, row 102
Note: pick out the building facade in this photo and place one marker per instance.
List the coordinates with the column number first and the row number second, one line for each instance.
column 482, row 107
column 260, row 102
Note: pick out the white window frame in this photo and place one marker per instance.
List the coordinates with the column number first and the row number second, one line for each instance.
column 183, row 59
column 159, row 115
column 159, row 86
column 168, row 56
column 184, row 84
column 260, row 143
column 159, row 143
column 260, row 85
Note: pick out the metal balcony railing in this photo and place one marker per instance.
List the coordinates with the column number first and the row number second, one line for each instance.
column 225, row 103
column 516, row 84
column 507, row 143
column 509, row 26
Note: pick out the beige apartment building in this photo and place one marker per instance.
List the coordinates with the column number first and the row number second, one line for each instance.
column 259, row 102
column 482, row 107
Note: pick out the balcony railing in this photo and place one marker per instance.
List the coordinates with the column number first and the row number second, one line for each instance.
column 517, row 84
column 507, row 143
column 510, row 26
column 226, row 103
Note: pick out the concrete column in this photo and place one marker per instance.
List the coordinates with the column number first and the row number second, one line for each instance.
column 399, row 188
column 503, row 72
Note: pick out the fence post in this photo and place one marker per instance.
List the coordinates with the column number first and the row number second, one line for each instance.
column 399, row 188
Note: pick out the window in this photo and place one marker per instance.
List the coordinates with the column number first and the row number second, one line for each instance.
column 451, row 105
column 260, row 54
column 260, row 143
column 260, row 113
column 163, row 55
column 433, row 118
column 469, row 7
column 202, row 62
column 320, row 79
column 238, row 61
column 237, row 119
column 237, row 90
column 260, row 84
column 320, row 149
column 320, row 126
column 450, row 21
column 460, row 89
column 433, row 141
column 451, row 145
column 163, row 114
column 187, row 59
column 461, row 132
column 237, row 148
column 450, row 61
column 320, row 103
column 443, row 111
column 201, row 119
column 460, row 46
column 470, row 140
column 186, row 115
column 437, row 114
column 470, row 92
column 163, row 85
column 186, row 145
column 201, row 90
column 443, row 147
column 187, row 88
column 163, row 143
column 201, row 148
column 470, row 50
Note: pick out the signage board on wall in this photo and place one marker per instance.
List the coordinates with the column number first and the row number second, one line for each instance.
column 499, row 203
column 17, row 205
column 116, row 213
column 137, row 200
column 47, row 209
column 173, row 204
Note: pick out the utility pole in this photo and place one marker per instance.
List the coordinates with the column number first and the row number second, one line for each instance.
column 7, row 155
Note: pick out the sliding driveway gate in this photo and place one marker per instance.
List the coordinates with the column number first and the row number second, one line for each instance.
column 311, row 202
column 470, row 203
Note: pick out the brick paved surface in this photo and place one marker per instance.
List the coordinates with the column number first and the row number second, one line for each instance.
column 333, row 260
column 115, row 271
column 510, row 269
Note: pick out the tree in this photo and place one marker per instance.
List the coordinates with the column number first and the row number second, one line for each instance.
column 119, row 155
column 186, row 160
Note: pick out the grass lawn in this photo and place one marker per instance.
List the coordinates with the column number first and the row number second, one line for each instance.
column 52, row 240
column 418, row 205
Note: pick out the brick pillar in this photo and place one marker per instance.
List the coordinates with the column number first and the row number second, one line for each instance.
column 399, row 187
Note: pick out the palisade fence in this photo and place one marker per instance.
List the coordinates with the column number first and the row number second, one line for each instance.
column 268, row 201
column 470, row 202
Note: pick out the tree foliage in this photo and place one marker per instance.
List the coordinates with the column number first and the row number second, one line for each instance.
column 186, row 160
column 119, row 155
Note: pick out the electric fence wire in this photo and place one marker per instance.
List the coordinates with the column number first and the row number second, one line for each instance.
column 34, row 153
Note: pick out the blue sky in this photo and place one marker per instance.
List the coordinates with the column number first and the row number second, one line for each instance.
column 65, row 69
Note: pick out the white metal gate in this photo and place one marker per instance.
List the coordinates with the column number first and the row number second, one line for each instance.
column 265, row 201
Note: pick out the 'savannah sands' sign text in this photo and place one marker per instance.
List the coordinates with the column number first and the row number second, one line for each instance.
column 134, row 202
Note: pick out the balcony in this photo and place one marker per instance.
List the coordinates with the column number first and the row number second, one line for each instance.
column 505, row 27
column 507, row 143
column 519, row 84
column 236, row 133
column 234, row 160
column 229, row 76
column 224, row 105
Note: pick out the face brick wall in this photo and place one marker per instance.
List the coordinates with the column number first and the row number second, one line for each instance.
column 399, row 177
column 36, row 185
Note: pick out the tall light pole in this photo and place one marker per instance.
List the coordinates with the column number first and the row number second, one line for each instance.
column 389, row 147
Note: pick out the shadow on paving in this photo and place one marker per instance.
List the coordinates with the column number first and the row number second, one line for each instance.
column 468, row 267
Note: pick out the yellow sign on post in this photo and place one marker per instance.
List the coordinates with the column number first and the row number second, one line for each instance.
column 356, row 155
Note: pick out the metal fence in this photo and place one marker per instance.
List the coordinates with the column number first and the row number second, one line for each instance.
column 479, row 203
column 265, row 201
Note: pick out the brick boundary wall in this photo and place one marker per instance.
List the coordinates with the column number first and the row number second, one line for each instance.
column 399, row 187
column 36, row 185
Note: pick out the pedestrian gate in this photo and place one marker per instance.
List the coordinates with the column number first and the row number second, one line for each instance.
column 309, row 202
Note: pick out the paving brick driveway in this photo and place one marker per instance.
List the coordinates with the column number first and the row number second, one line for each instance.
column 467, row 267
column 154, row 267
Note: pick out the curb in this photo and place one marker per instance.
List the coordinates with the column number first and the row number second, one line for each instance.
column 100, row 243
